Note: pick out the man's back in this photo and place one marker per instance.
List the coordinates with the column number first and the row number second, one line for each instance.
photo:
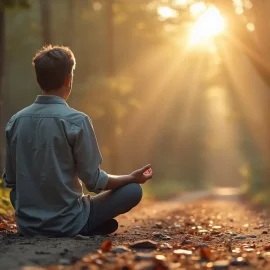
column 48, row 194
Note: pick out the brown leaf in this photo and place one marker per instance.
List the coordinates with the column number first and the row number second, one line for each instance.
column 207, row 238
column 3, row 226
column 106, row 246
column 206, row 253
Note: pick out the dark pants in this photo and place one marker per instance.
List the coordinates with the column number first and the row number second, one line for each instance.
column 111, row 204
column 107, row 205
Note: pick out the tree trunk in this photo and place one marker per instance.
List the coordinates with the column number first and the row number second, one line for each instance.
column 111, row 121
column 70, row 23
column 2, row 62
column 110, row 46
column 46, row 21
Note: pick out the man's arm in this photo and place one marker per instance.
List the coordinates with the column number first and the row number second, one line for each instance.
column 139, row 176
column 88, row 160
column 9, row 176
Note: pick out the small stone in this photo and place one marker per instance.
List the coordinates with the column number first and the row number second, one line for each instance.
column 216, row 227
column 177, row 226
column 252, row 236
column 81, row 237
column 158, row 225
column 182, row 252
column 64, row 261
column 144, row 266
column 186, row 242
column 120, row 249
column 221, row 265
column 42, row 252
column 265, row 232
column 240, row 261
column 249, row 249
column 144, row 256
column 165, row 246
column 203, row 231
column 240, row 237
column 144, row 244
column 202, row 245
column 160, row 258
column 161, row 236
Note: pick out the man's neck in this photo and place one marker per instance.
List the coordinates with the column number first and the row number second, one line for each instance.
column 58, row 92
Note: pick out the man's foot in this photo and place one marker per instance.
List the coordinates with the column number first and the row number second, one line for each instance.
column 106, row 227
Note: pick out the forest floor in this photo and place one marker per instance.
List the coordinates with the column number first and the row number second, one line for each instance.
column 197, row 231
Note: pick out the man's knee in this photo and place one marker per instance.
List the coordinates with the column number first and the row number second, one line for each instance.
column 135, row 193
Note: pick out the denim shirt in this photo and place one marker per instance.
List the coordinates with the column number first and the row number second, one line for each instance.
column 50, row 149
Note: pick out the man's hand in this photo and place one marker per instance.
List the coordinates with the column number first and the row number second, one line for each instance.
column 140, row 176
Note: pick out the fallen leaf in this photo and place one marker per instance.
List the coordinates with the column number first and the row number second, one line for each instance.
column 106, row 246
column 3, row 226
column 206, row 253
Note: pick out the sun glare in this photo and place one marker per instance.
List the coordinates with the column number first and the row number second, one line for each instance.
column 166, row 12
column 208, row 25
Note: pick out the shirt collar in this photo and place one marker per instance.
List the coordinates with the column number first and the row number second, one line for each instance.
column 50, row 100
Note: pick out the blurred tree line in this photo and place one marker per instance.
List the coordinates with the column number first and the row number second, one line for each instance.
column 134, row 82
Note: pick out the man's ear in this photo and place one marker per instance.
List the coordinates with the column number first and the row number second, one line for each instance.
column 68, row 80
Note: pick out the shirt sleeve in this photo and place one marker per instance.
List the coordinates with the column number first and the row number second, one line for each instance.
column 9, row 176
column 88, row 158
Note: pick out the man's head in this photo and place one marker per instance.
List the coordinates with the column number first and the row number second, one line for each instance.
column 54, row 67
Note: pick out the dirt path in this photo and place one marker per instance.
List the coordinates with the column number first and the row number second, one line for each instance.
column 210, row 228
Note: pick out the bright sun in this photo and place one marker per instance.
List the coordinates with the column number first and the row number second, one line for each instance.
column 209, row 24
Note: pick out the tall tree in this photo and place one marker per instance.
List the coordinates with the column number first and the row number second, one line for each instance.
column 70, row 22
column 45, row 11
column 2, row 57
column 3, row 5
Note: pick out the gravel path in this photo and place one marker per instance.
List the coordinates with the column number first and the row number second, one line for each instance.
column 207, row 232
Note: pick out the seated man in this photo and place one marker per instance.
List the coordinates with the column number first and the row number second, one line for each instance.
column 49, row 147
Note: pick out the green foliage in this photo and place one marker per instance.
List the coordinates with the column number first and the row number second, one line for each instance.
column 8, row 4
column 5, row 204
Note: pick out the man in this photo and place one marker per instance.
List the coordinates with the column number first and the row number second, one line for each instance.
column 49, row 147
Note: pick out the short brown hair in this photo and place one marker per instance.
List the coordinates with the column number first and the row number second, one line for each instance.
column 52, row 65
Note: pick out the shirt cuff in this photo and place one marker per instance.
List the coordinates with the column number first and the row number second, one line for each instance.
column 102, row 182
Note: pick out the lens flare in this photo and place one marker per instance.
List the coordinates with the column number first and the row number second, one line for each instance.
column 208, row 25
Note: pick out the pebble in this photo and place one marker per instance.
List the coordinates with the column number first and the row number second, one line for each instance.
column 158, row 225
column 221, row 265
column 165, row 246
column 160, row 258
column 216, row 227
column 81, row 237
column 144, row 256
column 202, row 245
column 264, row 232
column 120, row 249
column 144, row 244
column 64, row 261
column 252, row 236
column 144, row 266
column 240, row 237
column 203, row 231
column 240, row 261
column 186, row 242
column 182, row 252
column 161, row 236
